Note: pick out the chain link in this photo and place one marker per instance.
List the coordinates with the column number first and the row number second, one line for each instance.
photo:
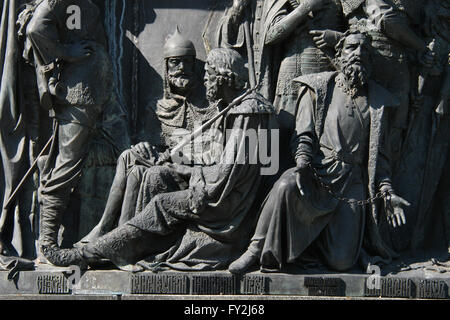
column 326, row 187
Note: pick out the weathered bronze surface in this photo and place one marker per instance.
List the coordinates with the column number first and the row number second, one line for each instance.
column 206, row 140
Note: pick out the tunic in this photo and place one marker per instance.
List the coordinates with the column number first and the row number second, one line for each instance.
column 291, row 222
column 138, row 179
column 83, row 103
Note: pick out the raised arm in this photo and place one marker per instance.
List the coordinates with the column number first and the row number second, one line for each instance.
column 393, row 25
column 285, row 26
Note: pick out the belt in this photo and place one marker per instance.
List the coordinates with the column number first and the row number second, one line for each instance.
column 346, row 157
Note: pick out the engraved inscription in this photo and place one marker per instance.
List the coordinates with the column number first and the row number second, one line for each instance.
column 318, row 286
column 392, row 288
column 159, row 284
column 209, row 284
column 254, row 285
column 52, row 284
column 432, row 289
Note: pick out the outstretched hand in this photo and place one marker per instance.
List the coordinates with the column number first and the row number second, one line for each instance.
column 325, row 38
column 394, row 210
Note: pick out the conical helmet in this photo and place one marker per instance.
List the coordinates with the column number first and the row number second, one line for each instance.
column 176, row 46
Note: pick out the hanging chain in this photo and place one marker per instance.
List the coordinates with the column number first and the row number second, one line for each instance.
column 326, row 187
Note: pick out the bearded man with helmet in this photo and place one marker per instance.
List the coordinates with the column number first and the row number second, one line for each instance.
column 137, row 177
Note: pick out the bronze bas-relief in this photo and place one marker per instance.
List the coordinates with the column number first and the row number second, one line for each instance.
column 111, row 157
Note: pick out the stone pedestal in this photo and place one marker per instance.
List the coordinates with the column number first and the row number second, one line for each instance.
column 111, row 284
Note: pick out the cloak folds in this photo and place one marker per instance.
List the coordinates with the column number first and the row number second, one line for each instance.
column 379, row 99
column 267, row 58
column 219, row 227
column 13, row 142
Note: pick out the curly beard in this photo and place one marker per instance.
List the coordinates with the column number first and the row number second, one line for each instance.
column 356, row 74
column 212, row 92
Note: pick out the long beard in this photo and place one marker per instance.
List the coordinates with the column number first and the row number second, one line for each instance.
column 356, row 74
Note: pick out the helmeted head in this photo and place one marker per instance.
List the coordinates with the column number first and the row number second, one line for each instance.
column 179, row 57
column 224, row 68
column 176, row 46
column 353, row 58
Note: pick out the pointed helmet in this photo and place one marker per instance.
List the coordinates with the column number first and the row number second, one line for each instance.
column 177, row 45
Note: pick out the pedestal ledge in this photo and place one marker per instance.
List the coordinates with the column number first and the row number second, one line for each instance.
column 51, row 282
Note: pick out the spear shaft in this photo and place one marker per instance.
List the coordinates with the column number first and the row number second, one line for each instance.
column 27, row 174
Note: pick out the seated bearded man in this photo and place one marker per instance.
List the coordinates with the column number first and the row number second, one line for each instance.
column 137, row 179
column 338, row 147
column 208, row 223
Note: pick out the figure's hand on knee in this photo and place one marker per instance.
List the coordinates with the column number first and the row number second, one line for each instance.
column 394, row 210
column 145, row 149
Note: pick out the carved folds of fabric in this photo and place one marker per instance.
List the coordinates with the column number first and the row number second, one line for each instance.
column 115, row 245
column 348, row 6
column 157, row 180
column 387, row 47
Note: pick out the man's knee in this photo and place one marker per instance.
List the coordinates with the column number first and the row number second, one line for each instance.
column 287, row 183
column 136, row 173
column 160, row 200
column 155, row 176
